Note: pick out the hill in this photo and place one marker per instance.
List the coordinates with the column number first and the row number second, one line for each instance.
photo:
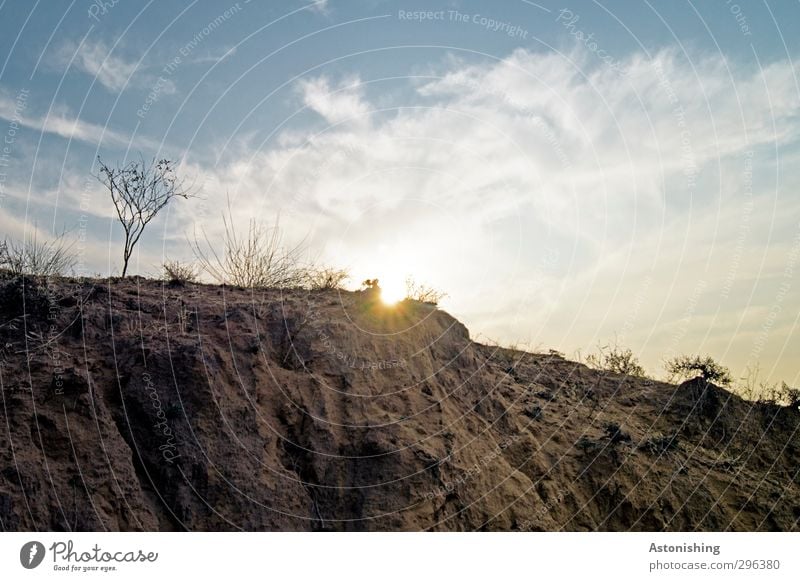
column 134, row 405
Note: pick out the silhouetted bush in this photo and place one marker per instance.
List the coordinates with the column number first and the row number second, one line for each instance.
column 180, row 273
column 780, row 394
column 255, row 258
column 751, row 388
column 423, row 293
column 792, row 395
column 687, row 367
column 326, row 278
column 35, row 258
column 617, row 360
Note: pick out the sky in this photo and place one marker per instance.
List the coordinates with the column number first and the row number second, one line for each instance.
column 571, row 174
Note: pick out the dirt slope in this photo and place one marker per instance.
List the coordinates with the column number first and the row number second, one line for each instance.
column 137, row 406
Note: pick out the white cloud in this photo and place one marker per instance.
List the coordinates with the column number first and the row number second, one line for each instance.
column 496, row 166
column 321, row 6
column 338, row 105
column 213, row 58
column 61, row 123
column 95, row 58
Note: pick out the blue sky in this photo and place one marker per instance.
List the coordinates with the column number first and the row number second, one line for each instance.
column 570, row 173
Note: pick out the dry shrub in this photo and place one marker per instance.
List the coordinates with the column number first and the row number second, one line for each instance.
column 687, row 367
column 326, row 278
column 423, row 293
column 615, row 359
column 180, row 273
column 35, row 258
column 255, row 258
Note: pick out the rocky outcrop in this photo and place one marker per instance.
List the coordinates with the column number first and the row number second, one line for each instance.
column 132, row 405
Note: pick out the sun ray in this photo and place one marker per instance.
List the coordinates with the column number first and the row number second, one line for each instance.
column 393, row 290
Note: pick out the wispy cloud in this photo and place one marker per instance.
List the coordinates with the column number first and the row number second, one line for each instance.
column 116, row 72
column 213, row 58
column 536, row 183
column 321, row 6
column 95, row 58
column 61, row 123
column 342, row 103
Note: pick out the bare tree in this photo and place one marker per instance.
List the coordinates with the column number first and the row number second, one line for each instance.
column 140, row 190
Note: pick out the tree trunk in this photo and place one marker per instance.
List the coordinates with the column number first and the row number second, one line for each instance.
column 126, row 254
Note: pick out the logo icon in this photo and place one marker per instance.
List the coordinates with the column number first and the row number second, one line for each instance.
column 31, row 554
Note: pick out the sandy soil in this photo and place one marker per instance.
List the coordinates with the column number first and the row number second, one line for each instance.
column 134, row 405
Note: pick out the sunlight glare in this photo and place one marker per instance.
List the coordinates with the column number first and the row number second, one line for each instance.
column 392, row 291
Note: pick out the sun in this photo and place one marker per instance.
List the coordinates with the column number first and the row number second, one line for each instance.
column 392, row 291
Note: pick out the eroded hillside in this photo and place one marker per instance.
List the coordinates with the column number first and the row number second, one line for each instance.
column 133, row 405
